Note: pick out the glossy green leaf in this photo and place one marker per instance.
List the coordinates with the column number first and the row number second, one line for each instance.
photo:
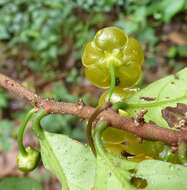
column 69, row 160
column 19, row 183
column 165, row 92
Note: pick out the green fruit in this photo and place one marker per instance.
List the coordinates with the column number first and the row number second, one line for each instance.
column 29, row 161
column 118, row 95
column 111, row 45
column 110, row 38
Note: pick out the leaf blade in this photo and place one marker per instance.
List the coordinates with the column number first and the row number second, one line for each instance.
column 165, row 92
column 69, row 160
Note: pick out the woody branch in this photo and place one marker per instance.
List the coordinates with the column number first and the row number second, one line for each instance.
column 147, row 131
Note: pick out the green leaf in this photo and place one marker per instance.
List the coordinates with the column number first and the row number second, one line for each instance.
column 19, row 183
column 69, row 160
column 182, row 51
column 75, row 167
column 121, row 174
column 165, row 9
column 165, row 92
column 6, row 131
column 162, row 175
column 58, row 123
column 3, row 33
column 61, row 93
column 171, row 7
column 112, row 173
column 118, row 173
column 3, row 99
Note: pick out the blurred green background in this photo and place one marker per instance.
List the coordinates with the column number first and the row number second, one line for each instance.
column 40, row 46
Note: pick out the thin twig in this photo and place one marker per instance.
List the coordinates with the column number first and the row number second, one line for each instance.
column 146, row 131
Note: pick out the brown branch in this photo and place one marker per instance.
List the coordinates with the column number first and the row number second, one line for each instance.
column 146, row 131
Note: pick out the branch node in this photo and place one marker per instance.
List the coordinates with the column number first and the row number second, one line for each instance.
column 139, row 119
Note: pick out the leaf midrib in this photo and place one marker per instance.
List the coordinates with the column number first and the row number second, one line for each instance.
column 158, row 103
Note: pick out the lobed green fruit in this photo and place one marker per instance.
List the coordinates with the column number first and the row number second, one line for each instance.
column 28, row 162
column 111, row 45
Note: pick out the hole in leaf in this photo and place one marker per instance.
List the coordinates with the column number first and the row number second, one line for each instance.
column 138, row 182
column 126, row 154
column 117, row 81
column 132, row 171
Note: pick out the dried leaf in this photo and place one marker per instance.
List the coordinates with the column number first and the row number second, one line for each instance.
column 176, row 116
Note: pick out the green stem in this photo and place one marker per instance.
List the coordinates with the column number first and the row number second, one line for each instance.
column 101, row 126
column 90, row 123
column 22, row 130
column 182, row 153
column 36, row 122
column 112, row 80
column 89, row 129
